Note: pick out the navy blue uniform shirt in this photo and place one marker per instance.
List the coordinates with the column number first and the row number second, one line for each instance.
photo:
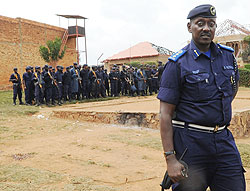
column 199, row 86
column 59, row 76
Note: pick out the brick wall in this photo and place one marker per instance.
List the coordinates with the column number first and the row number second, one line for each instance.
column 20, row 40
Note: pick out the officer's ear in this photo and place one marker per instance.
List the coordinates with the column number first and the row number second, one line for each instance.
column 189, row 27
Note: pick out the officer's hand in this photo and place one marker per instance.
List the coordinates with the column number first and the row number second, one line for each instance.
column 174, row 169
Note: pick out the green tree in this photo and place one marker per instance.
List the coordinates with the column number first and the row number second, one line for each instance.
column 51, row 53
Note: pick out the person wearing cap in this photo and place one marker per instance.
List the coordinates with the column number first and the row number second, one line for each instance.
column 38, row 82
column 59, row 82
column 197, row 87
column 27, row 80
column 100, row 76
column 142, row 79
column 75, row 76
column 106, row 82
column 154, row 79
column 48, row 79
column 94, row 82
column 55, row 87
column 17, row 86
column 160, row 71
column 67, row 84
column 124, row 80
column 84, row 73
column 113, row 77
column 148, row 72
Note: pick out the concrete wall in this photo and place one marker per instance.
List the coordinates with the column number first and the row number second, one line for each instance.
column 20, row 40
column 240, row 123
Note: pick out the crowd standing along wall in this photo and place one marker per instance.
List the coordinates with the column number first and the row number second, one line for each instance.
column 20, row 40
column 142, row 60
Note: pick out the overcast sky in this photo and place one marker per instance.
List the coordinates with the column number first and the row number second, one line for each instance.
column 115, row 25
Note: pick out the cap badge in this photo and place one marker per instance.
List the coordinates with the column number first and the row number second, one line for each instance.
column 212, row 10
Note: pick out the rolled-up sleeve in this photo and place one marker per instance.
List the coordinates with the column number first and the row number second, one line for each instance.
column 170, row 84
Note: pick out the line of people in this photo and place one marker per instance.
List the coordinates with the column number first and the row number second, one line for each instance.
column 52, row 86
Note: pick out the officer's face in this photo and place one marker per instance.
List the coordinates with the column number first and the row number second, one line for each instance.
column 202, row 29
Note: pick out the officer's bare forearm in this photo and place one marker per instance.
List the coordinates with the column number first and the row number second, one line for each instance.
column 166, row 114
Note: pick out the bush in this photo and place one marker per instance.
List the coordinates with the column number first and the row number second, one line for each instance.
column 137, row 64
column 247, row 66
column 134, row 64
column 244, row 77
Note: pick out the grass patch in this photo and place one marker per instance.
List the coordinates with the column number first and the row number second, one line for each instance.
column 19, row 178
column 85, row 184
column 4, row 129
column 131, row 138
column 7, row 108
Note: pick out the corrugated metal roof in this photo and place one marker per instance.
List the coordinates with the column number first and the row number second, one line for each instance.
column 72, row 16
column 143, row 49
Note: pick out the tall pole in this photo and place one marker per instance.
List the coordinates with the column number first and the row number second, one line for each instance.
column 85, row 43
column 99, row 58
column 77, row 43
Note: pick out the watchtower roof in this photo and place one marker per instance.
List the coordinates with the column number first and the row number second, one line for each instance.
column 72, row 16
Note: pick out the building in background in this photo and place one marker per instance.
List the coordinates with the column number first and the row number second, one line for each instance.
column 20, row 40
column 142, row 52
column 232, row 34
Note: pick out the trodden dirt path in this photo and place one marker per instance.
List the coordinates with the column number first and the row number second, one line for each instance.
column 41, row 152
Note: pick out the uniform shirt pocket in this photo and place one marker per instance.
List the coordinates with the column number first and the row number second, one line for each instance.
column 197, row 86
column 228, row 73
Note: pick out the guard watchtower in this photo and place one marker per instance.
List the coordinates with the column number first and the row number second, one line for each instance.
column 75, row 32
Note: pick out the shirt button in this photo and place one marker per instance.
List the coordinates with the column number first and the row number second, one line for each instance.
column 215, row 74
column 219, row 88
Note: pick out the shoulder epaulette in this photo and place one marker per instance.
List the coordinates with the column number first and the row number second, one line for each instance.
column 226, row 47
column 177, row 55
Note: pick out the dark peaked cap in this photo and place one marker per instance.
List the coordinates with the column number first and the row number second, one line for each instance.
column 206, row 10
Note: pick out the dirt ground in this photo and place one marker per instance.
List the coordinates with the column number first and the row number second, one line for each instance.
column 40, row 152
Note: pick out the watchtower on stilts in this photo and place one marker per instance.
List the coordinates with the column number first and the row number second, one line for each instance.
column 75, row 32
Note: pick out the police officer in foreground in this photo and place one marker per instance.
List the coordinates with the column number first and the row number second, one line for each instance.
column 197, row 88
column 17, row 86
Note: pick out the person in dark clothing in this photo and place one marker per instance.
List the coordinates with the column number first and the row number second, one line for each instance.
column 75, row 76
column 113, row 77
column 160, row 71
column 84, row 74
column 136, row 81
column 124, row 83
column 79, row 93
column 27, row 80
column 119, row 84
column 106, row 82
column 67, row 84
column 48, row 79
column 148, row 72
column 38, row 82
column 197, row 88
column 154, row 80
column 100, row 76
column 59, row 82
column 54, row 85
column 17, row 86
column 142, row 79
column 94, row 83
